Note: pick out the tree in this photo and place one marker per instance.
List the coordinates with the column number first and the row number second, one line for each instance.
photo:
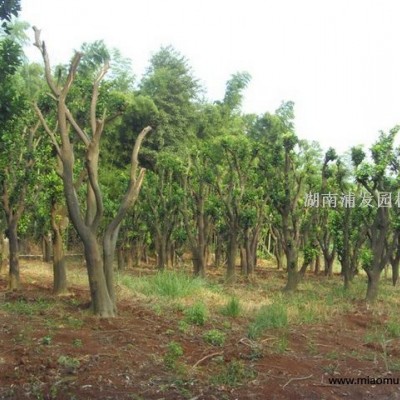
column 379, row 179
column 17, row 143
column 99, row 264
column 9, row 9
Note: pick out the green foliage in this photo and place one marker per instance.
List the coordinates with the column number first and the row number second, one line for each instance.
column 165, row 284
column 24, row 307
column 196, row 314
column 71, row 364
column 268, row 317
column 214, row 337
column 235, row 373
column 232, row 308
column 174, row 352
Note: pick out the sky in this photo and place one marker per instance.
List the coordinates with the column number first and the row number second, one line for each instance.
column 339, row 61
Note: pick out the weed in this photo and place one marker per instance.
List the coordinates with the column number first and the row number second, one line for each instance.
column 71, row 364
column 46, row 340
column 214, row 337
column 75, row 323
column 196, row 314
column 282, row 344
column 267, row 317
column 232, row 308
column 393, row 328
column 183, row 326
column 77, row 343
column 234, row 374
column 174, row 351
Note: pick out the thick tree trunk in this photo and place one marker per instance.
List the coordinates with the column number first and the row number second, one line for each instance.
column 47, row 247
column 102, row 301
column 14, row 280
column 317, row 264
column 328, row 265
column 395, row 271
column 232, row 248
column 59, row 267
column 198, row 260
column 373, row 285
column 293, row 274
column 161, row 245
column 243, row 261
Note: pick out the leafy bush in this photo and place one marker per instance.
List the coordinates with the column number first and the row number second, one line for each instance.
column 268, row 317
column 234, row 374
column 196, row 314
column 214, row 337
column 174, row 351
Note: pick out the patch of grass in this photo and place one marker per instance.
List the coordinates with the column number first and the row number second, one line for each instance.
column 77, row 343
column 24, row 307
column 232, row 308
column 282, row 344
column 71, row 364
column 234, row 374
column 164, row 284
column 183, row 326
column 46, row 340
column 268, row 317
column 73, row 322
column 174, row 352
column 196, row 314
column 214, row 337
column 393, row 327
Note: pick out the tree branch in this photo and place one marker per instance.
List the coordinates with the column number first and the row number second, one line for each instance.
column 47, row 129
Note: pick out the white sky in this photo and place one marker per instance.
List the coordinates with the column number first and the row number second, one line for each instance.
column 339, row 61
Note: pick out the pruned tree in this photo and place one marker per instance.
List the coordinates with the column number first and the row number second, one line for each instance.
column 98, row 249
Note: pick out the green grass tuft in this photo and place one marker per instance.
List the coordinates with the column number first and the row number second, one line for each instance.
column 268, row 317
column 232, row 308
column 164, row 284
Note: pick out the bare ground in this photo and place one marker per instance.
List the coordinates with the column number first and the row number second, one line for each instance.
column 56, row 350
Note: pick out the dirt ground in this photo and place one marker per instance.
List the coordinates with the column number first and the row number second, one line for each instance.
column 56, row 350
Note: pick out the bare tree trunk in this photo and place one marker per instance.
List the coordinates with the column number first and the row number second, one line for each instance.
column 47, row 246
column 121, row 258
column 317, row 264
column 59, row 267
column 102, row 302
column 232, row 248
column 14, row 279
column 243, row 260
column 293, row 274
column 373, row 286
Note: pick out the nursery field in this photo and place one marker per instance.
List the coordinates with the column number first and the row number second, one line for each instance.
column 181, row 338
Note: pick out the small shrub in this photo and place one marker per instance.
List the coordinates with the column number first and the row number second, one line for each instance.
column 174, row 351
column 196, row 314
column 393, row 328
column 234, row 374
column 71, row 364
column 232, row 308
column 46, row 340
column 77, row 343
column 214, row 337
column 183, row 326
column 268, row 317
